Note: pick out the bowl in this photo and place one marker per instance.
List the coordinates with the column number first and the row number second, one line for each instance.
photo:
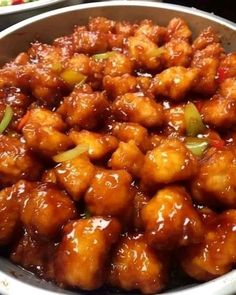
column 46, row 27
column 12, row 14
column 60, row 22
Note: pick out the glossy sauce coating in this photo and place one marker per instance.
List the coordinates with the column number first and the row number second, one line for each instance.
column 42, row 132
column 81, row 239
column 170, row 219
column 9, row 216
column 215, row 182
column 170, row 161
column 137, row 108
column 136, row 266
column 75, row 176
column 128, row 157
column 17, row 161
column 216, row 254
column 110, row 193
column 98, row 145
column 43, row 203
column 35, row 254
column 117, row 157
column 84, row 108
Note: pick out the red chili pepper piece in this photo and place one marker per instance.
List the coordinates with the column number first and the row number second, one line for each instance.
column 222, row 74
column 15, row 2
column 23, row 120
column 217, row 143
column 215, row 140
column 199, row 104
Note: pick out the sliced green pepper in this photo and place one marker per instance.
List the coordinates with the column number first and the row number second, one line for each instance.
column 193, row 120
column 101, row 56
column 196, row 145
column 8, row 114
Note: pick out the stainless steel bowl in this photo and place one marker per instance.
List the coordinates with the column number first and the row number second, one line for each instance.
column 10, row 15
column 46, row 27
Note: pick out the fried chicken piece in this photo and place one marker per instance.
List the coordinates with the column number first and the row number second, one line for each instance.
column 98, row 145
column 169, row 162
column 75, row 176
column 17, row 161
column 79, row 241
column 215, row 256
column 43, row 132
column 174, row 83
column 84, row 108
column 131, row 131
column 136, row 266
column 137, row 108
column 214, row 183
column 47, row 209
column 110, row 193
column 128, row 157
column 170, row 219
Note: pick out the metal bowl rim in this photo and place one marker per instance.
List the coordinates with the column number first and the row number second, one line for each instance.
column 167, row 6
column 14, row 9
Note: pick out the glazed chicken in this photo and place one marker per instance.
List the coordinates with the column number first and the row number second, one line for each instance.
column 118, row 157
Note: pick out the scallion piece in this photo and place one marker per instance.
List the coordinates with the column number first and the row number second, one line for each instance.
column 101, row 56
column 196, row 145
column 193, row 120
column 8, row 114
column 72, row 77
column 71, row 154
column 87, row 214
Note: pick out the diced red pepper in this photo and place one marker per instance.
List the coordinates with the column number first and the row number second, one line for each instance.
column 198, row 104
column 215, row 140
column 217, row 143
column 23, row 120
column 222, row 74
column 15, row 2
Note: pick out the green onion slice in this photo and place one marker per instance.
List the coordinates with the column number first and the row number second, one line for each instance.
column 72, row 77
column 87, row 214
column 71, row 154
column 8, row 114
column 196, row 145
column 193, row 120
column 101, row 56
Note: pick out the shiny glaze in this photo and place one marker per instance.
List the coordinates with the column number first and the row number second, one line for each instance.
column 43, row 132
column 216, row 254
column 98, row 146
column 75, row 176
column 170, row 220
column 42, row 205
column 35, row 255
column 138, row 108
column 85, row 246
column 84, row 108
column 16, row 161
column 136, row 266
column 104, row 217
column 9, row 216
column 128, row 157
column 110, row 193
column 170, row 161
column 214, row 184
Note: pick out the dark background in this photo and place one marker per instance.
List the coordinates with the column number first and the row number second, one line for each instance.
column 223, row 8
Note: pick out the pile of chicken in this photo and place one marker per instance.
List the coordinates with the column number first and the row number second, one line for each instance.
column 118, row 156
